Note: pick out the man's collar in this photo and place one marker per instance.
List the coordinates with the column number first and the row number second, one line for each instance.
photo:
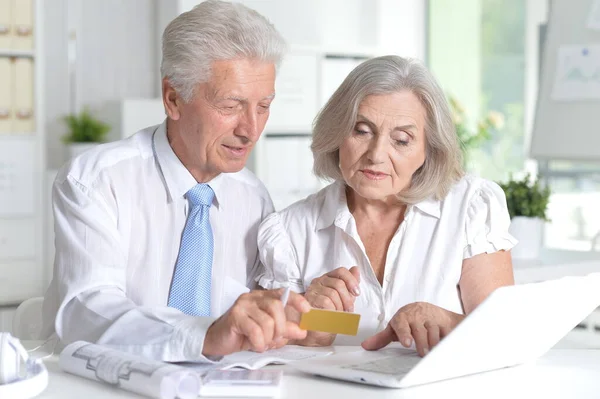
column 177, row 179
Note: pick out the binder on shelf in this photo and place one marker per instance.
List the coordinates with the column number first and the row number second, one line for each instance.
column 5, row 23
column 23, row 115
column 18, row 181
column 6, row 91
column 22, row 24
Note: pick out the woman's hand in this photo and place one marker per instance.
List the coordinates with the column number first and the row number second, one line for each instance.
column 336, row 290
column 422, row 322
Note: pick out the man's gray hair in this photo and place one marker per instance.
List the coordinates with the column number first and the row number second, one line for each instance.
column 381, row 76
column 214, row 31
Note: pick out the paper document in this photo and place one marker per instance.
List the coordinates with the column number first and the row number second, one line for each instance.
column 131, row 373
column 577, row 73
column 593, row 21
column 253, row 360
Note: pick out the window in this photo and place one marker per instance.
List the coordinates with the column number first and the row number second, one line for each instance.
column 486, row 54
column 477, row 52
column 573, row 206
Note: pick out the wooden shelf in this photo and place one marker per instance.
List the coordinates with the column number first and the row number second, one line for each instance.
column 17, row 53
column 19, row 135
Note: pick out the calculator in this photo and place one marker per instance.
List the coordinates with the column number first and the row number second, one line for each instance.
column 246, row 383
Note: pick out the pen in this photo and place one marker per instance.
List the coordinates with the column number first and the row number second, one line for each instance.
column 285, row 296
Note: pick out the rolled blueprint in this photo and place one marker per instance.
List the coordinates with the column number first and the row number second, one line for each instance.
column 152, row 378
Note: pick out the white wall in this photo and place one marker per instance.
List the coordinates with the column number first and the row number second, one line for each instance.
column 403, row 27
column 116, row 58
column 55, row 96
column 118, row 44
column 537, row 14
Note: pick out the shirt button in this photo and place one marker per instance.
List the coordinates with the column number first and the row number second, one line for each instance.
column 381, row 317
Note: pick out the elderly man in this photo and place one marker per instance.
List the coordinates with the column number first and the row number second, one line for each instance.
column 156, row 234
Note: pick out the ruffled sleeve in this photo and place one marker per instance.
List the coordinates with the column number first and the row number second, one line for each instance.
column 487, row 222
column 278, row 257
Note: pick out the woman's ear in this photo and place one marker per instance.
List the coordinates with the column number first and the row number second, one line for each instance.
column 171, row 100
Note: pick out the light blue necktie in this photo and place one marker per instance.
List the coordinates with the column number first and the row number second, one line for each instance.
column 190, row 288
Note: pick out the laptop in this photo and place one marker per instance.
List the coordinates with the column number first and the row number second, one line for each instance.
column 514, row 325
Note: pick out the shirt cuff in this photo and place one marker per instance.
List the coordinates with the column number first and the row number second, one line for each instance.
column 188, row 340
column 269, row 283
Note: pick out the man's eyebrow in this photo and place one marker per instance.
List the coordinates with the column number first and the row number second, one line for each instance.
column 243, row 99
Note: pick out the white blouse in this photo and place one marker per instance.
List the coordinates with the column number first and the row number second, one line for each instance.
column 424, row 259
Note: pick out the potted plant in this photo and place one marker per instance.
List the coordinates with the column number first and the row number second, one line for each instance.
column 527, row 202
column 468, row 137
column 85, row 132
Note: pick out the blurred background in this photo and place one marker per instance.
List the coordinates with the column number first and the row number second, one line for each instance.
column 77, row 72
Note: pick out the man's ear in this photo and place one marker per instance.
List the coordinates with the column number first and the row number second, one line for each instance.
column 171, row 100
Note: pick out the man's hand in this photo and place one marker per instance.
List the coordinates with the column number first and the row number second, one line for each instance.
column 427, row 324
column 336, row 290
column 256, row 322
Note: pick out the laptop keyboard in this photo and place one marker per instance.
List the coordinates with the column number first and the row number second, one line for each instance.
column 394, row 365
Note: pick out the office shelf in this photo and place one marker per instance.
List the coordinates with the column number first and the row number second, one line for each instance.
column 17, row 53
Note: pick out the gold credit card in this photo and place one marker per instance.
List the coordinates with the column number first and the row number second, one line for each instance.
column 330, row 321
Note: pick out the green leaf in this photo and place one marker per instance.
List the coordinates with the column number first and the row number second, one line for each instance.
column 84, row 128
column 469, row 139
column 526, row 198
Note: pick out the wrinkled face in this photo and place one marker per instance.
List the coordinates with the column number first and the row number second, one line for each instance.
column 386, row 147
column 215, row 132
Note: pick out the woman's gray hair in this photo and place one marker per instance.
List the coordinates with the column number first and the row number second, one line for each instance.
column 214, row 31
column 381, row 76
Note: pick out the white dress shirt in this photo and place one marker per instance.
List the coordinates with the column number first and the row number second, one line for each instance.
column 119, row 215
column 424, row 258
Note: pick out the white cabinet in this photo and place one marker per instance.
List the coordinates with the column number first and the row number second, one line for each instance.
column 6, row 316
column 17, row 239
column 286, row 168
column 297, row 97
column 129, row 115
column 22, row 152
column 20, row 280
column 19, row 170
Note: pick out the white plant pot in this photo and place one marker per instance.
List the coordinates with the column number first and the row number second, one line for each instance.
column 76, row 149
column 529, row 233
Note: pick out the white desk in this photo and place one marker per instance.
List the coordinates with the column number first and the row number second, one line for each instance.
column 561, row 373
column 554, row 264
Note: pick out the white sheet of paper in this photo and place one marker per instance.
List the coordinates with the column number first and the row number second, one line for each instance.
column 577, row 73
column 593, row 21
column 253, row 360
column 287, row 354
column 151, row 378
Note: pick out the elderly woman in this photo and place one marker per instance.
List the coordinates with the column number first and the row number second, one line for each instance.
column 401, row 236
